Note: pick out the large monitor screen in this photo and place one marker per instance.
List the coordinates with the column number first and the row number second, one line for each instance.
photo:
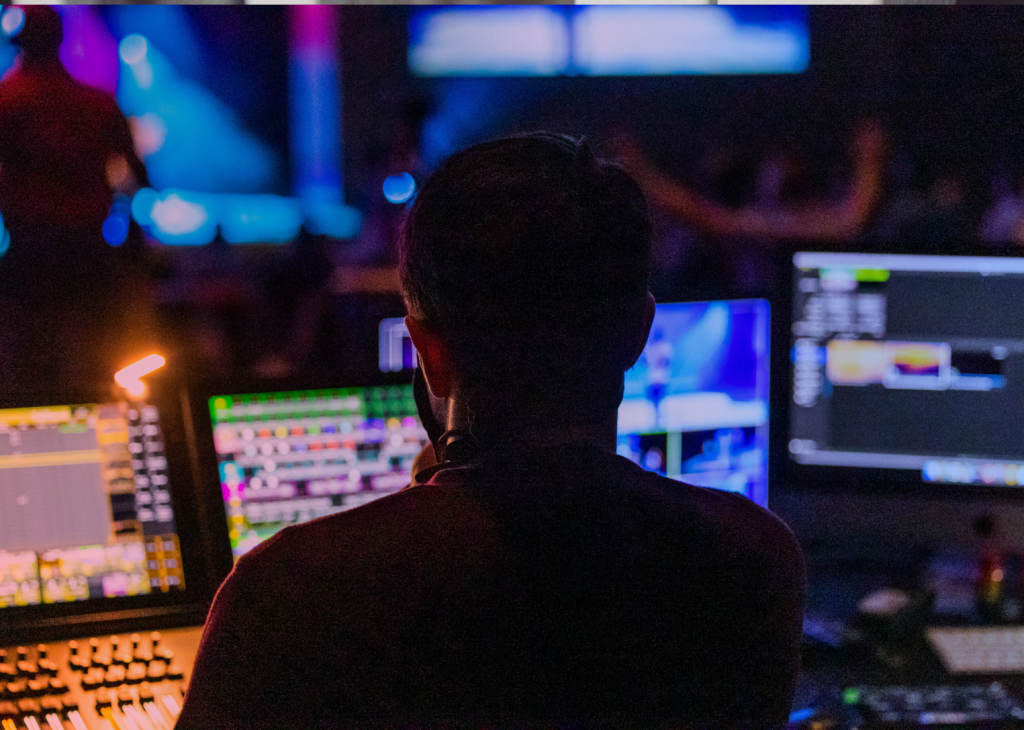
column 286, row 458
column 909, row 364
column 86, row 507
column 696, row 402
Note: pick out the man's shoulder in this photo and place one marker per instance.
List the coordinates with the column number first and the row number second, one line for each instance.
column 729, row 524
column 397, row 531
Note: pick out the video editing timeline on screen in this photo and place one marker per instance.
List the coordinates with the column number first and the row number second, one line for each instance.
column 910, row 363
column 695, row 406
column 85, row 505
column 286, row 458
column 136, row 681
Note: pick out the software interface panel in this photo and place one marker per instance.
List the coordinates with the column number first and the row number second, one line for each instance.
column 286, row 458
column 909, row 362
column 85, row 505
column 696, row 403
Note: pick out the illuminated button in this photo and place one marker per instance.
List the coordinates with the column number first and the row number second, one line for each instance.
column 297, row 431
column 114, row 676
column 281, row 432
column 37, row 687
column 93, row 678
column 57, row 686
column 136, row 673
column 28, row 707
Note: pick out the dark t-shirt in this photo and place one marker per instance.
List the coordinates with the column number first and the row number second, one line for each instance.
column 561, row 586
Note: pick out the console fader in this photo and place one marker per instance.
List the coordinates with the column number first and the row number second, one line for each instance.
column 134, row 682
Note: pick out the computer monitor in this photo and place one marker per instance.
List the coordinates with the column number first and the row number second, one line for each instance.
column 695, row 406
column 90, row 510
column 397, row 352
column 288, row 457
column 906, row 370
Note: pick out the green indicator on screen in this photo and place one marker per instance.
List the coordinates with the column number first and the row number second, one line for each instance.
column 871, row 274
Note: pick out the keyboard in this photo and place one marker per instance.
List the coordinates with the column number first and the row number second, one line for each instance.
column 984, row 705
column 991, row 650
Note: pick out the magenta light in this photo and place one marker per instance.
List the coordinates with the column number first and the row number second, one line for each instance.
column 89, row 50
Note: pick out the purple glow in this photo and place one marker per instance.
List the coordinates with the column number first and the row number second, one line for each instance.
column 89, row 50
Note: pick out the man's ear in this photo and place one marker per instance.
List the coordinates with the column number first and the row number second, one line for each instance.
column 435, row 358
column 644, row 329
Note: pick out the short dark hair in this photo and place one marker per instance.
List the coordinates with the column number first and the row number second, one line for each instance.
column 530, row 257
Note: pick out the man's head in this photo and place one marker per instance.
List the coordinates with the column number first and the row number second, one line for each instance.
column 41, row 34
column 524, row 263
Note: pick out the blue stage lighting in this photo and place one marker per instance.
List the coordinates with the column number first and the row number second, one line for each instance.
column 13, row 21
column 399, row 188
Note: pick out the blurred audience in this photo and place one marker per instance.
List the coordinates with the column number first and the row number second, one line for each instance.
column 73, row 305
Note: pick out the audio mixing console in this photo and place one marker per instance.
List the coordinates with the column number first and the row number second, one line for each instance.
column 133, row 682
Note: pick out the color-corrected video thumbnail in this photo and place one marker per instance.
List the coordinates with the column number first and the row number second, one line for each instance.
column 917, row 365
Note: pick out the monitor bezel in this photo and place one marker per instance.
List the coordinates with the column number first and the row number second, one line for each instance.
column 42, row 622
column 789, row 476
column 207, row 475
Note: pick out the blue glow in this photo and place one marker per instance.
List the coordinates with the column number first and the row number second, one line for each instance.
column 496, row 41
column 316, row 128
column 399, row 188
column 13, row 21
column 5, row 238
column 608, row 40
column 132, row 49
column 332, row 219
column 177, row 217
column 629, row 40
column 188, row 138
column 115, row 227
column 260, row 219
column 695, row 405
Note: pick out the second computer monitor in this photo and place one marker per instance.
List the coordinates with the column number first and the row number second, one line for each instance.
column 696, row 402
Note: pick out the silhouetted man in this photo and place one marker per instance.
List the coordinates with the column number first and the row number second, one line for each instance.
column 530, row 576
column 64, row 149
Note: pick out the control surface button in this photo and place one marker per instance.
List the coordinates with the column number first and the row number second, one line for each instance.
column 175, row 672
column 37, row 687
column 57, row 686
column 48, row 667
column 124, row 696
column 103, row 697
column 51, row 704
column 8, row 709
column 26, row 668
column 93, row 678
column 145, row 691
column 17, row 689
column 28, row 707
column 157, row 671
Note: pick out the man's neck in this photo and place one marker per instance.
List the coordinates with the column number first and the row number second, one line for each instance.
column 601, row 435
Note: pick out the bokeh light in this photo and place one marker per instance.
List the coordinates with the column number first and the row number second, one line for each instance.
column 399, row 188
